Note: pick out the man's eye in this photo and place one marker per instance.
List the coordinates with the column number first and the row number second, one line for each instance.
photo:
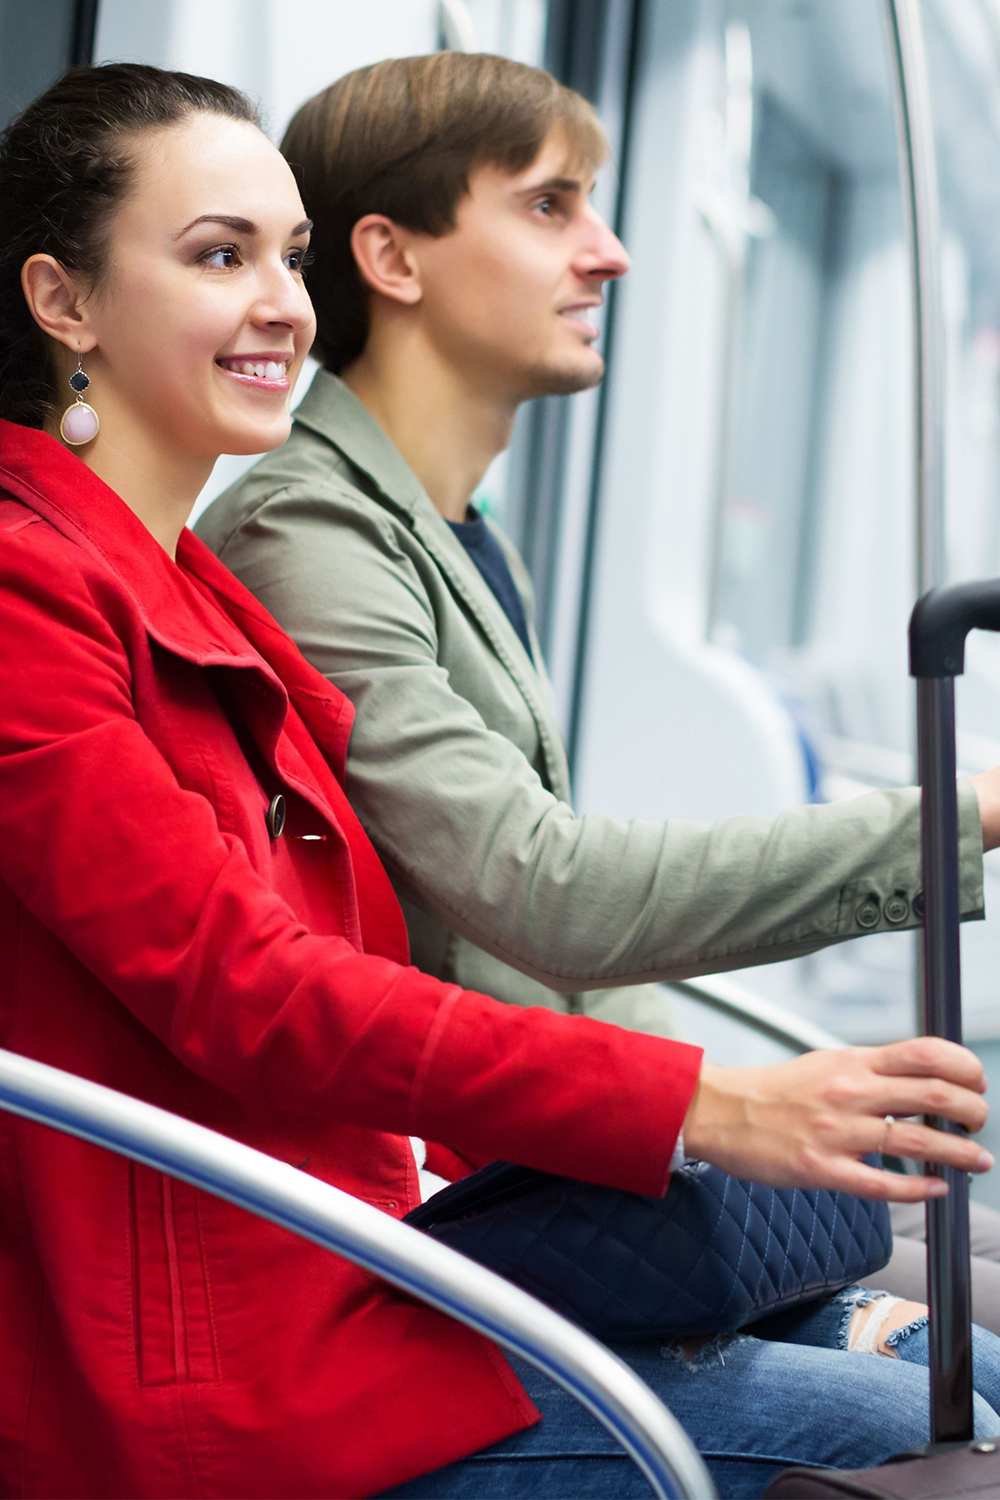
column 223, row 257
column 545, row 205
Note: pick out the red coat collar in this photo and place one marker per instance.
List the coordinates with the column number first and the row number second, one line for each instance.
column 59, row 487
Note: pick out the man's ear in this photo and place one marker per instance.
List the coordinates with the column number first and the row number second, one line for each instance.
column 384, row 259
column 56, row 302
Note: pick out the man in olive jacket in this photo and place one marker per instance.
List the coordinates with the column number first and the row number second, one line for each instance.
column 441, row 307
column 458, row 264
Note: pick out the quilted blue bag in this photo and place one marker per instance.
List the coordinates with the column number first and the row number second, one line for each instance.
column 712, row 1255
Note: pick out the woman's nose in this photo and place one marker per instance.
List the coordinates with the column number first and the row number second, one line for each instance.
column 284, row 299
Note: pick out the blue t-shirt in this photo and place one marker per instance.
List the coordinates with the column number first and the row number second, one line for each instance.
column 487, row 554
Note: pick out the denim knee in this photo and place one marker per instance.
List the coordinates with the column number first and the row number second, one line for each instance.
column 761, row 1400
column 912, row 1345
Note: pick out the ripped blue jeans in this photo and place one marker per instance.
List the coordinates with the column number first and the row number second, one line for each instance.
column 788, row 1393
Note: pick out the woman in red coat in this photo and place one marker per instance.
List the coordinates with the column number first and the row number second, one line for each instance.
column 190, row 912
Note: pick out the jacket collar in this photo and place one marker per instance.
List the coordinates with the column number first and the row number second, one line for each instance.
column 59, row 487
column 332, row 410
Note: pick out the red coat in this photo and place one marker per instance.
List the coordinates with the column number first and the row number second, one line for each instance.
column 154, row 937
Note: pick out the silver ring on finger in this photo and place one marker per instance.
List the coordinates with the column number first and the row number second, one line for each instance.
column 889, row 1122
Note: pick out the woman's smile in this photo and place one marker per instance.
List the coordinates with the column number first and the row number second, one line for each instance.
column 266, row 371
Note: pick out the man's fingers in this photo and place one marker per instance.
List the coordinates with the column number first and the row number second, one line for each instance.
column 930, row 1057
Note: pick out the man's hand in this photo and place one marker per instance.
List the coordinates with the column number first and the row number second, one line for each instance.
column 987, row 785
column 806, row 1123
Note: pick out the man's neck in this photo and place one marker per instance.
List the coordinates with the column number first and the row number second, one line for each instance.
column 447, row 432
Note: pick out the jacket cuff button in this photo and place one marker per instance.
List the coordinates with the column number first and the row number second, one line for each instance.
column 275, row 816
column 897, row 908
column 868, row 913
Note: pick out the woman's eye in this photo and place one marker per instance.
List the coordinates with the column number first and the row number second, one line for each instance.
column 298, row 260
column 223, row 258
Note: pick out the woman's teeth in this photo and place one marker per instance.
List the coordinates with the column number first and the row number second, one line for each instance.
column 260, row 370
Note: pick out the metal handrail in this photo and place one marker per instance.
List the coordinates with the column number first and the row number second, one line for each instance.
column 416, row 1264
column 765, row 1016
column 457, row 26
column 918, row 165
column 921, row 207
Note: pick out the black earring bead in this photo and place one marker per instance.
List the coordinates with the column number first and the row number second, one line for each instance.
column 79, row 381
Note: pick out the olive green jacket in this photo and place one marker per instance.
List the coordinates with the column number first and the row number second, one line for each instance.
column 457, row 770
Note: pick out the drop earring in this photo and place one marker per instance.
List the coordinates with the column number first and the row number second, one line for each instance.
column 80, row 423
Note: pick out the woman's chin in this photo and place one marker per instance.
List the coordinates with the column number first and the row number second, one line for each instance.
column 260, row 437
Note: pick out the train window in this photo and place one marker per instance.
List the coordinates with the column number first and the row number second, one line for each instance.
column 814, row 566
column 755, row 537
column 819, row 198
column 38, row 39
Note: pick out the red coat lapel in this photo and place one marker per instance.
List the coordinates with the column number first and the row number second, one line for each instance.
column 58, row 486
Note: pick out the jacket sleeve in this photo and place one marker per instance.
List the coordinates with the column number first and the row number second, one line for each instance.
column 131, row 872
column 464, row 822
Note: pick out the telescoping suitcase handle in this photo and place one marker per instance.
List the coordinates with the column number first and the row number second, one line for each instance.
column 940, row 622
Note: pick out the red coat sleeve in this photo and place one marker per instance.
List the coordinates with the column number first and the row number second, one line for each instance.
column 133, row 874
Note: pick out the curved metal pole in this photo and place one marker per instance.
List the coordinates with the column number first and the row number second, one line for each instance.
column 730, row 237
column 915, row 130
column 918, row 167
column 456, row 25
column 725, row 215
column 403, row 1256
column 760, row 1014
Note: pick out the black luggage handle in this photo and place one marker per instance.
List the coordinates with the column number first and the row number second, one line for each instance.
column 942, row 619
column 940, row 622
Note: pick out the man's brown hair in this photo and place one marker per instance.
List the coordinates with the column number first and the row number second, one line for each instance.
column 401, row 138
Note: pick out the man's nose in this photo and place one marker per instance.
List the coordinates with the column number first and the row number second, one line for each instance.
column 602, row 255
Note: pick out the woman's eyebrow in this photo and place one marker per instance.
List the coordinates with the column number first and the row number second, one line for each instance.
column 236, row 224
column 231, row 221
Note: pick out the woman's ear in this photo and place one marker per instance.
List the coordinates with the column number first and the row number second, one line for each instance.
column 56, row 303
column 384, row 260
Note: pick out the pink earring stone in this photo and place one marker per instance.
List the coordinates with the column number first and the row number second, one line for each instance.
column 80, row 424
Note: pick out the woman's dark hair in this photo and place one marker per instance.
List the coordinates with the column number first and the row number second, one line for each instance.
column 65, row 166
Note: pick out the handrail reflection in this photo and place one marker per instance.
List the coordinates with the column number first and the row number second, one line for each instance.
column 403, row 1256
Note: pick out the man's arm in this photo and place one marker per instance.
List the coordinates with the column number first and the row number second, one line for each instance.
column 461, row 816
